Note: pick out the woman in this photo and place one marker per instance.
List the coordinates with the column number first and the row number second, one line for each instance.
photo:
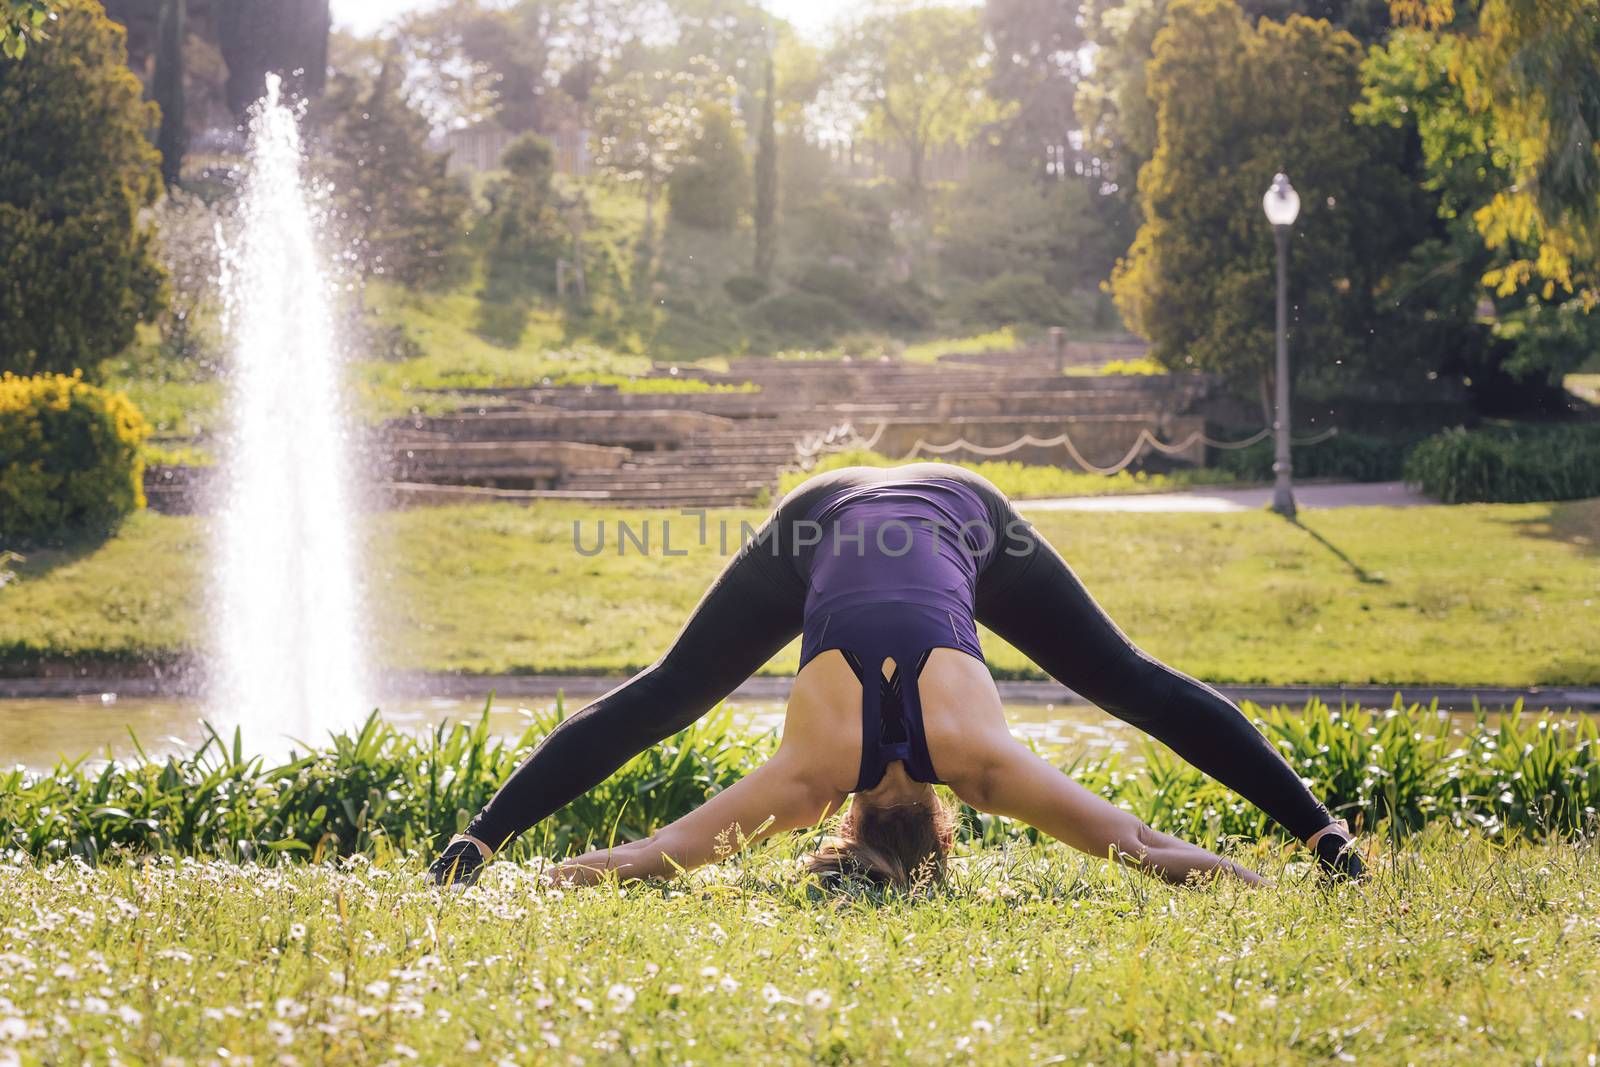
column 885, row 572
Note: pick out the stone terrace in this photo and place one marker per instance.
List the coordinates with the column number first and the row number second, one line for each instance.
column 727, row 448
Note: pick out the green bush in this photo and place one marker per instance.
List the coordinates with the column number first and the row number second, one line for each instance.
column 380, row 787
column 1011, row 298
column 833, row 280
column 708, row 188
column 69, row 457
column 746, row 288
column 1350, row 457
column 1509, row 464
column 809, row 316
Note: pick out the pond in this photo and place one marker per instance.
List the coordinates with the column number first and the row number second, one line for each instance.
column 37, row 732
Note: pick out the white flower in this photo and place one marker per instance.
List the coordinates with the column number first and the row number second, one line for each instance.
column 584, row 1004
column 297, row 931
column 674, row 990
column 709, row 971
column 378, row 990
column 129, row 1016
column 95, row 1006
column 819, row 999
column 1226, row 1018
column 621, row 997
column 772, row 994
column 281, row 1032
column 729, row 984
column 288, row 1008
column 982, row 1026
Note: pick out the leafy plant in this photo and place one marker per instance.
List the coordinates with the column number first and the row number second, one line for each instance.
column 70, row 457
column 1509, row 464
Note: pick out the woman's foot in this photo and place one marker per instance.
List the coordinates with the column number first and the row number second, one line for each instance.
column 1337, row 856
column 460, row 863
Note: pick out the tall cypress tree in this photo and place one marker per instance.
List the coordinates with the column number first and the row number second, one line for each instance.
column 766, row 213
column 172, row 138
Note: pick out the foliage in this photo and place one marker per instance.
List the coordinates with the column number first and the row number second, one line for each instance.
column 1012, row 299
column 22, row 21
column 379, row 787
column 747, row 288
column 1065, row 230
column 801, row 315
column 766, row 201
column 78, row 262
column 1233, row 104
column 645, row 122
column 919, row 72
column 69, row 458
column 524, row 237
column 1037, row 62
column 1510, row 463
column 289, row 37
column 402, row 212
column 172, row 137
column 473, row 61
column 1501, row 98
column 1348, row 457
column 382, row 789
column 709, row 186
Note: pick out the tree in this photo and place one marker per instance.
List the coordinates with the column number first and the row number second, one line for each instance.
column 919, row 74
column 20, row 22
column 286, row 37
column 172, row 138
column 1034, row 73
column 396, row 199
column 1113, row 103
column 766, row 207
column 1501, row 108
column 1234, row 104
column 644, row 123
column 708, row 188
column 525, row 237
column 79, row 264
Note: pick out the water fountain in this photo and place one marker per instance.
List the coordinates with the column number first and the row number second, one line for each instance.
column 289, row 658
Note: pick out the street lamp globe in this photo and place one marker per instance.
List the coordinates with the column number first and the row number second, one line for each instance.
column 1281, row 202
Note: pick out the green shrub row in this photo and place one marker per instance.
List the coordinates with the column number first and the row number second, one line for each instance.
column 380, row 788
column 1509, row 464
column 1352, row 457
column 70, row 457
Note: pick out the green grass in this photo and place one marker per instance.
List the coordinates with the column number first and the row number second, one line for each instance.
column 1024, row 481
column 1474, row 594
column 1458, row 952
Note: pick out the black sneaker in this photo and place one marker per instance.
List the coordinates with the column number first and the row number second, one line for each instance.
column 1339, row 860
column 459, row 864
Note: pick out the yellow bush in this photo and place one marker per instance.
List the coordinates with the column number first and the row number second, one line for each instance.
column 69, row 457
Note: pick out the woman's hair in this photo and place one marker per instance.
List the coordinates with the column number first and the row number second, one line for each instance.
column 899, row 845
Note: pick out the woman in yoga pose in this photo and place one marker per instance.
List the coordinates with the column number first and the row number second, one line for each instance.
column 884, row 572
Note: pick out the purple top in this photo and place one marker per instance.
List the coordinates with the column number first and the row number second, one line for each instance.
column 920, row 542
column 893, row 575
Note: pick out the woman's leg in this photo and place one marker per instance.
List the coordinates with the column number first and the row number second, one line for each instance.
column 1030, row 597
column 750, row 612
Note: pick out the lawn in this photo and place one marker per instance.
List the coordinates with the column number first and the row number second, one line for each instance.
column 1475, row 594
column 1458, row 951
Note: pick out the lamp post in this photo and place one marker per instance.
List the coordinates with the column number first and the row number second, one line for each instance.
column 1282, row 205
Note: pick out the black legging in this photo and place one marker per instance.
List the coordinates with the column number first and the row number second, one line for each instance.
column 1026, row 594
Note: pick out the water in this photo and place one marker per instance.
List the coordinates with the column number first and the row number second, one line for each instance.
column 288, row 656
column 39, row 732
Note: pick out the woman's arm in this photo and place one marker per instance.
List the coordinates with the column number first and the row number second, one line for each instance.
column 780, row 795
column 1012, row 780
